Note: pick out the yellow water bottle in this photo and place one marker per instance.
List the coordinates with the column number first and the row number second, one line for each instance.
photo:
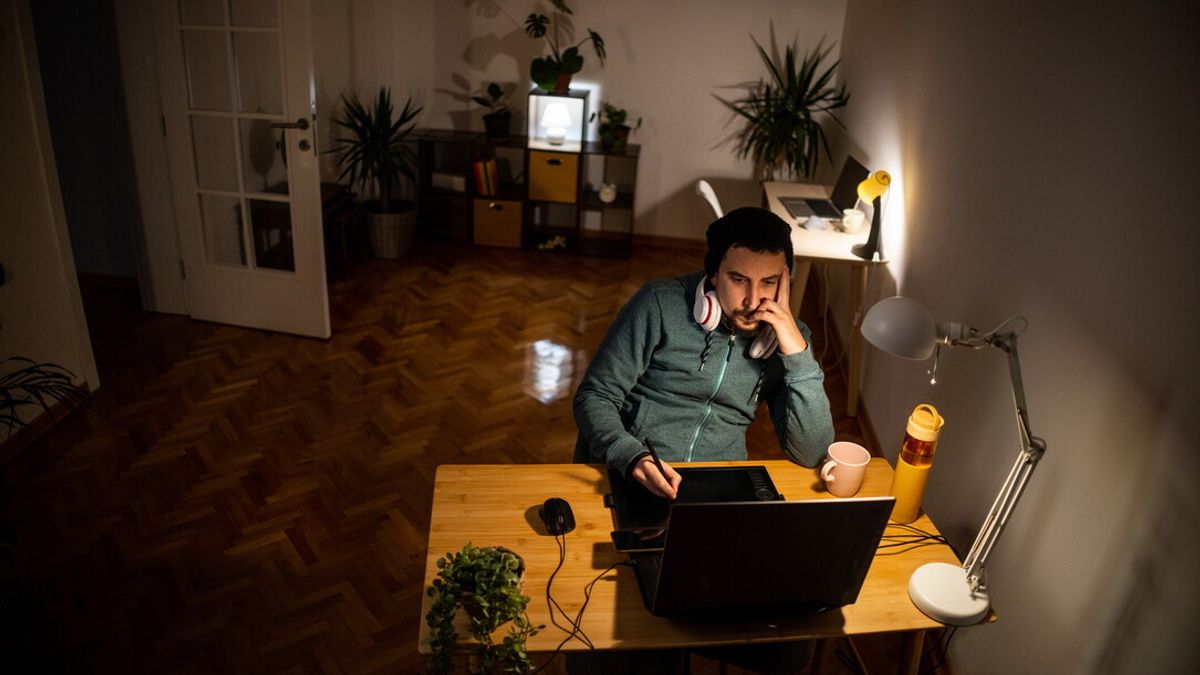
column 916, row 458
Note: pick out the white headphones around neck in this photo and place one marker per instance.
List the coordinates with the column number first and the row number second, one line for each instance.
column 707, row 312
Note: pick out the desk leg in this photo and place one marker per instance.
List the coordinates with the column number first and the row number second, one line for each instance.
column 858, row 295
column 910, row 652
column 799, row 283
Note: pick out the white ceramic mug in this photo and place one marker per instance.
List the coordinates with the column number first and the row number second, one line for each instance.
column 853, row 220
column 845, row 468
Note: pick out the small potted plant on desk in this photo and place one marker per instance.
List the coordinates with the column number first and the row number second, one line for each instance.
column 486, row 582
column 614, row 129
column 377, row 158
column 554, row 72
column 496, row 120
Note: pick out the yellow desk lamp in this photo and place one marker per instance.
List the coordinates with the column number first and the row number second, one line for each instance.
column 872, row 190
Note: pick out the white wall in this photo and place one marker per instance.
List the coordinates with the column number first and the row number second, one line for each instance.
column 1043, row 162
column 41, row 316
column 666, row 59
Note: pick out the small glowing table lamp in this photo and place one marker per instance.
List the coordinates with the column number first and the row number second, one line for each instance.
column 556, row 120
column 904, row 327
column 872, row 190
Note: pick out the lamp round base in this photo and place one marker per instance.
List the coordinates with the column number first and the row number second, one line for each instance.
column 940, row 590
column 863, row 251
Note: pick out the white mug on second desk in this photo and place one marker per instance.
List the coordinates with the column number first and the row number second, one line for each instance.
column 853, row 220
column 845, row 468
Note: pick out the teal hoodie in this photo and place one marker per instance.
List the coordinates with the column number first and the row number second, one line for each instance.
column 659, row 375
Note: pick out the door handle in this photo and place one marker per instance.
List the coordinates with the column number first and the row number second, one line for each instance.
column 554, row 162
column 301, row 124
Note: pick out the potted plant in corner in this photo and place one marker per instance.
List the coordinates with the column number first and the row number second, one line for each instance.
column 377, row 158
column 782, row 116
column 486, row 582
column 614, row 130
column 553, row 72
column 496, row 120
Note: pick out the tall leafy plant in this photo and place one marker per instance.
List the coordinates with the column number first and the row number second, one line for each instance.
column 375, row 156
column 563, row 60
column 782, row 114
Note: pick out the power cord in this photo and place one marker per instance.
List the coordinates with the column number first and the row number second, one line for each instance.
column 576, row 631
column 941, row 650
column 909, row 538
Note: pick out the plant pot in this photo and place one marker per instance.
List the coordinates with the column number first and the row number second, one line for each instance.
column 391, row 234
column 563, row 84
column 614, row 139
column 467, row 599
column 496, row 125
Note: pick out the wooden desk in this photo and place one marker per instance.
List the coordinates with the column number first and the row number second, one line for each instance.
column 826, row 246
column 490, row 505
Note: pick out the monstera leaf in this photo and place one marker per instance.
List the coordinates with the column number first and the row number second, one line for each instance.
column 544, row 72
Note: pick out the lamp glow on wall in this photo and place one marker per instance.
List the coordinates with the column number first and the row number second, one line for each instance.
column 872, row 190
column 904, row 327
column 556, row 119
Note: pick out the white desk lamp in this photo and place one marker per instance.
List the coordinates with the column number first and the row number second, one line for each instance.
column 555, row 120
column 904, row 327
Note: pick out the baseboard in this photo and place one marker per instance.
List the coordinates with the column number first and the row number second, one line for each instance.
column 679, row 243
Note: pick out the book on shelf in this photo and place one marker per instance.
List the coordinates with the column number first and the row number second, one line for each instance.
column 485, row 177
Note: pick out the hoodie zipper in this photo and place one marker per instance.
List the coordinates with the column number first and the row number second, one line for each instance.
column 708, row 403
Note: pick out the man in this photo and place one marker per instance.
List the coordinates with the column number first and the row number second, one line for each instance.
column 688, row 373
column 660, row 375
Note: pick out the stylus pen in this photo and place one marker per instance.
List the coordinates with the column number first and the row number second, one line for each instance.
column 657, row 461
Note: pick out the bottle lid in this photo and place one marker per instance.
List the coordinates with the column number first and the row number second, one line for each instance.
column 925, row 423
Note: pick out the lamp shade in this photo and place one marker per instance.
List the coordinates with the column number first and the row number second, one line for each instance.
column 901, row 327
column 874, row 186
column 556, row 116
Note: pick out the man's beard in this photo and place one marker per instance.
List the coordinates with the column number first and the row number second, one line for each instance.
column 735, row 327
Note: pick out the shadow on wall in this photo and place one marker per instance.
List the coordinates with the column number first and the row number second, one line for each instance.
column 685, row 204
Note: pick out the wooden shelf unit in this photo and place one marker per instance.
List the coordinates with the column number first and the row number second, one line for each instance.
column 541, row 193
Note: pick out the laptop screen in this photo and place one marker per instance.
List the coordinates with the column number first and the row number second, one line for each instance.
column 761, row 557
column 845, row 192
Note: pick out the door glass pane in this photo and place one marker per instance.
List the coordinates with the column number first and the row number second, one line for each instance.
column 255, row 13
column 263, row 161
column 207, row 69
column 201, row 12
column 221, row 218
column 212, row 140
column 272, row 227
column 258, row 72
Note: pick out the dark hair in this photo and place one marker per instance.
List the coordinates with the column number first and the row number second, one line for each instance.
column 749, row 227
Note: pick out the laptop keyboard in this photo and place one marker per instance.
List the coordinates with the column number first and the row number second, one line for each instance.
column 823, row 208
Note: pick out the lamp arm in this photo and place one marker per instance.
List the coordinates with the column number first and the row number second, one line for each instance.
column 1031, row 451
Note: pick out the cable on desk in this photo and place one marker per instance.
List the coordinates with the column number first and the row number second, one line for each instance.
column 909, row 539
column 577, row 622
column 552, row 604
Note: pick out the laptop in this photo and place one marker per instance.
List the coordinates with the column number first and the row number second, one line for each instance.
column 845, row 194
column 759, row 559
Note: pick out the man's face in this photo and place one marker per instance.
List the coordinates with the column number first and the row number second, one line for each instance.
column 744, row 280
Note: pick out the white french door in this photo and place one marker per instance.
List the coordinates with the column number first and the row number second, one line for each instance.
column 239, row 106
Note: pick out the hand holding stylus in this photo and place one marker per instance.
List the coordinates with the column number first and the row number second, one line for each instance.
column 658, row 476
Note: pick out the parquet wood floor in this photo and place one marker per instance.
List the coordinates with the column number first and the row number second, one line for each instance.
column 240, row 501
